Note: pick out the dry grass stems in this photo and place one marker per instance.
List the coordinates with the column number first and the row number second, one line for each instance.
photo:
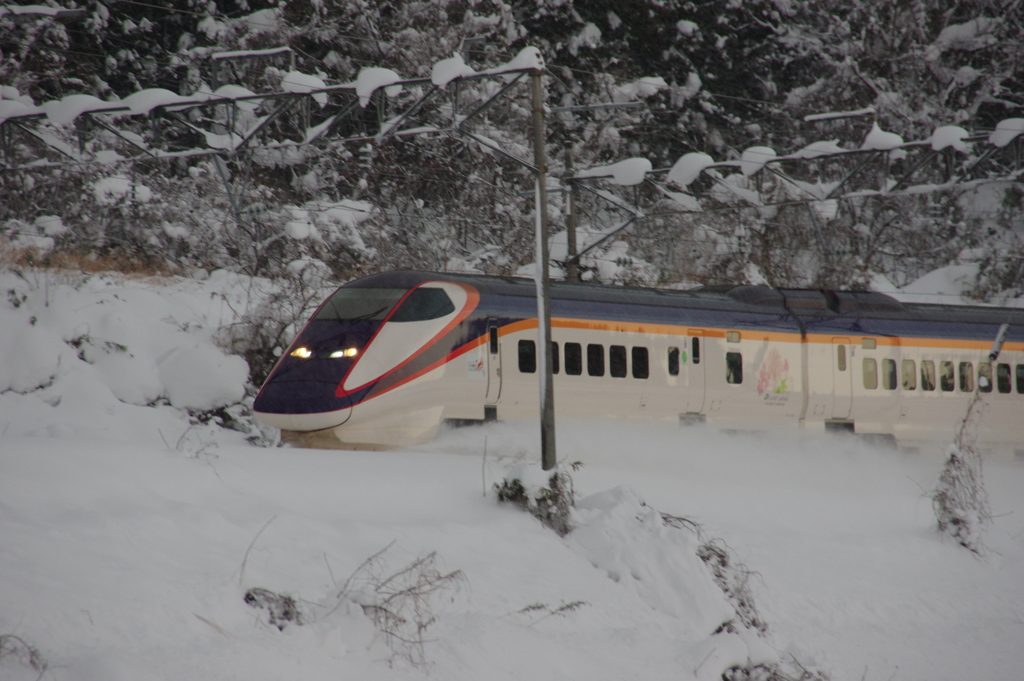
column 402, row 604
column 16, row 647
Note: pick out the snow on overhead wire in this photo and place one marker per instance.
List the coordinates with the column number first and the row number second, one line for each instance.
column 447, row 70
column 1006, row 131
column 950, row 136
column 755, row 158
column 629, row 172
column 689, row 167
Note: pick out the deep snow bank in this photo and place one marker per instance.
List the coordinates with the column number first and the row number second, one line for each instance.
column 104, row 356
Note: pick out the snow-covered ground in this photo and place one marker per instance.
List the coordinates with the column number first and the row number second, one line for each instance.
column 129, row 534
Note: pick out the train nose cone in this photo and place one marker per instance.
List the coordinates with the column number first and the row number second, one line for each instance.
column 305, row 422
column 301, row 405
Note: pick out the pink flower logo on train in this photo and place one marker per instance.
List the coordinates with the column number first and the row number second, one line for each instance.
column 773, row 374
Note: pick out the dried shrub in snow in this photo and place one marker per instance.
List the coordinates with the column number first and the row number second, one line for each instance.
column 551, row 504
column 265, row 329
column 960, row 501
column 281, row 609
column 672, row 565
column 544, row 610
column 12, row 646
column 402, row 604
column 733, row 578
column 758, row 673
column 764, row 672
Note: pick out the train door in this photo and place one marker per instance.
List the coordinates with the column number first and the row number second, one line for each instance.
column 493, row 364
column 696, row 362
column 842, row 370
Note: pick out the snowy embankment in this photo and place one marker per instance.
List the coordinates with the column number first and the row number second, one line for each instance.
column 130, row 534
column 117, row 358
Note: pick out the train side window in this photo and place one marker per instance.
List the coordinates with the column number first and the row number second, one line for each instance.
column 527, row 357
column 492, row 339
column 641, row 365
column 927, row 374
column 889, row 374
column 946, row 381
column 909, row 369
column 595, row 360
column 696, row 351
column 617, row 361
column 673, row 366
column 554, row 357
column 573, row 359
column 1003, row 382
column 985, row 377
column 1020, row 379
column 966, row 377
column 841, row 357
column 733, row 367
column 870, row 373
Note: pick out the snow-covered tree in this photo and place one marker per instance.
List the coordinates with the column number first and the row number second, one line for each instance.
column 718, row 78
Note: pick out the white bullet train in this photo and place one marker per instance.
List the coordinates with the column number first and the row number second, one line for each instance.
column 389, row 358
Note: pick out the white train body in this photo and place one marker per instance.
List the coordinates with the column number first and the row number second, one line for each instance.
column 743, row 358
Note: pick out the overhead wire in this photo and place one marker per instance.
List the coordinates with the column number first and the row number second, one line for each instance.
column 764, row 129
column 512, row 194
column 174, row 10
column 431, row 178
column 320, row 145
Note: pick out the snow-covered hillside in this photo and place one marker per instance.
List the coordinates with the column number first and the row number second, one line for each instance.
column 802, row 144
column 130, row 532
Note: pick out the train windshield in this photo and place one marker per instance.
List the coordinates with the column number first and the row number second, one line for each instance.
column 374, row 304
column 359, row 304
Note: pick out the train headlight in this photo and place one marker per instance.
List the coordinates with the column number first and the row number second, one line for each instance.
column 303, row 353
column 347, row 352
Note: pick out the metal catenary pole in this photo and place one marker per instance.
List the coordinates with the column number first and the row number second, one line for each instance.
column 572, row 268
column 547, row 394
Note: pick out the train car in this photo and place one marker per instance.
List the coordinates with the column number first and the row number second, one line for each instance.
column 389, row 358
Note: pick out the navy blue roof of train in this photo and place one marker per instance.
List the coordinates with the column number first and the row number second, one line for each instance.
column 864, row 312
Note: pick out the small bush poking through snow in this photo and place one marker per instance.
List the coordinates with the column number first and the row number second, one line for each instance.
column 552, row 505
column 733, row 578
column 264, row 330
column 959, row 500
column 763, row 672
column 758, row 673
column 673, row 566
column 280, row 609
column 402, row 604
